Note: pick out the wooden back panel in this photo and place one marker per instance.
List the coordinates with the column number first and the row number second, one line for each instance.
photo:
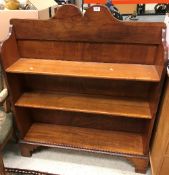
column 95, row 36
column 94, row 26
column 85, row 51
column 88, row 120
column 87, row 86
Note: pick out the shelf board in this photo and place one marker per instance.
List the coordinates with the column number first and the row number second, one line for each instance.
column 86, row 69
column 85, row 138
column 126, row 107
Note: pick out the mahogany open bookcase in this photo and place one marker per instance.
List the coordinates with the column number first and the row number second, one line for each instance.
column 85, row 82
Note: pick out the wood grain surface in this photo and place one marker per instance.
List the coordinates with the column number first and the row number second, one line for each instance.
column 88, row 120
column 90, row 27
column 108, row 141
column 86, row 69
column 159, row 157
column 76, row 72
column 88, row 52
column 126, row 107
column 108, row 87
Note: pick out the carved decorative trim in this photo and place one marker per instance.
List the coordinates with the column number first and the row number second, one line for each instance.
column 70, row 147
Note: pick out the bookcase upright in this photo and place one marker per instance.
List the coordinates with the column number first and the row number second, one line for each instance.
column 85, row 82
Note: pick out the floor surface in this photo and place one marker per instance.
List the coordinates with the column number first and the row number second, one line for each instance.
column 68, row 162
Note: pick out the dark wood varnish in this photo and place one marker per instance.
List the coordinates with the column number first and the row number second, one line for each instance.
column 88, row 120
column 85, row 82
column 88, row 51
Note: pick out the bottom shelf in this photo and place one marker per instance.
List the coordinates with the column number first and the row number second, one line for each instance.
column 85, row 138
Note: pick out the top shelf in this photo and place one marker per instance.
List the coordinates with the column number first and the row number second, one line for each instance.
column 115, row 71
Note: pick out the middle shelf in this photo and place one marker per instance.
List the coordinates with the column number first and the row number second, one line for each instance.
column 116, row 106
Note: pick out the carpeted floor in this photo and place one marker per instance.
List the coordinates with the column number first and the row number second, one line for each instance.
column 67, row 162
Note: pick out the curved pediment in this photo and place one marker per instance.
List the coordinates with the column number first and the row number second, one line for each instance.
column 96, row 25
column 96, row 13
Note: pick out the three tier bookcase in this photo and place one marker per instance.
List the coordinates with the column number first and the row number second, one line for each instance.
column 85, row 82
